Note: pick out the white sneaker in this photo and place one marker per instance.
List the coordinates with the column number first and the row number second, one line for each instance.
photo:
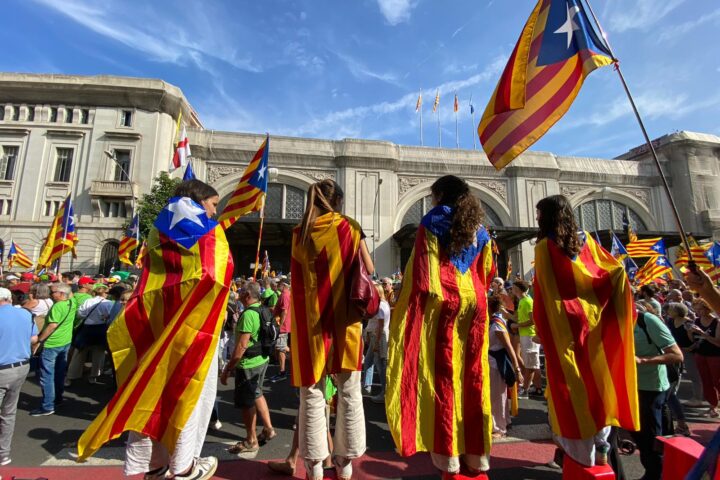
column 5, row 461
column 203, row 469
column 157, row 474
column 217, row 425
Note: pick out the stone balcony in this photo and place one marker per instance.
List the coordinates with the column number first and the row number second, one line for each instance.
column 110, row 188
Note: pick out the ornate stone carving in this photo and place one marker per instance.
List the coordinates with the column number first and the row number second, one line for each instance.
column 498, row 187
column 642, row 195
column 213, row 173
column 320, row 175
column 406, row 183
column 570, row 190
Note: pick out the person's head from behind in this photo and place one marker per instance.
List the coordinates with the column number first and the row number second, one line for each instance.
column 116, row 292
column 251, row 294
column 648, row 291
column 39, row 291
column 60, row 291
column 677, row 310
column 467, row 215
column 497, row 284
column 323, row 197
column 5, row 296
column 556, row 220
column 674, row 295
column 494, row 304
column 520, row 288
column 381, row 292
column 199, row 192
column 67, row 277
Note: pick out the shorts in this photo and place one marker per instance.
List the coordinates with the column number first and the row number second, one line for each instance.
column 281, row 343
column 248, row 385
column 530, row 353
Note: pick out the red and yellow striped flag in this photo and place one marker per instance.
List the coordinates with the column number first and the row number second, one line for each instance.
column 141, row 255
column 326, row 328
column 654, row 268
column 17, row 255
column 699, row 255
column 557, row 49
column 584, row 315
column 129, row 241
column 165, row 340
column 436, row 103
column 439, row 396
column 61, row 238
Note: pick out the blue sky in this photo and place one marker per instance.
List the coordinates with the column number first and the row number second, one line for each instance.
column 332, row 69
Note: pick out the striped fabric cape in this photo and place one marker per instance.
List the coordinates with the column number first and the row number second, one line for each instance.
column 164, row 340
column 326, row 329
column 438, row 389
column 584, row 315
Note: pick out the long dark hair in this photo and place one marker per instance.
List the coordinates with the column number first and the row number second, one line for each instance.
column 196, row 190
column 322, row 198
column 558, row 220
column 468, row 214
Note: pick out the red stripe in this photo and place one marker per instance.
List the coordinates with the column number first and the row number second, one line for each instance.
column 504, row 90
column 444, row 398
column 540, row 115
column 325, row 300
column 567, row 421
column 611, row 335
column 420, row 284
column 299, row 323
column 579, row 326
column 241, row 190
column 348, row 256
column 475, row 346
column 171, row 292
column 246, row 202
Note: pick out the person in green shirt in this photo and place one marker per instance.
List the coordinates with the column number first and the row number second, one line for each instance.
column 55, row 339
column 250, row 367
column 655, row 347
column 526, row 329
column 269, row 296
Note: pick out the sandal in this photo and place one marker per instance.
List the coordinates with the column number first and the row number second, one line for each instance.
column 243, row 447
column 265, row 436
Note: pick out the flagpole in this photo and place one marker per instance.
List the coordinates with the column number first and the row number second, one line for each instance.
column 457, row 132
column 648, row 142
column 257, row 253
column 439, row 130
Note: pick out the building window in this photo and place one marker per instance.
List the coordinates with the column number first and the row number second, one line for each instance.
column 53, row 114
column 126, row 118
column 63, row 164
column 69, row 114
column 282, row 202
column 84, row 116
column 417, row 211
column 606, row 215
column 15, row 112
column 113, row 209
column 8, row 160
column 52, row 207
column 31, row 113
column 122, row 166
column 5, row 207
column 2, row 112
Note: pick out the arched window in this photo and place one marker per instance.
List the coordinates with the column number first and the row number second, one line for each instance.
column 283, row 201
column 418, row 210
column 109, row 257
column 606, row 215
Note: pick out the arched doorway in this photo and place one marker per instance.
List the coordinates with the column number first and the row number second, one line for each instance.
column 109, row 257
column 284, row 207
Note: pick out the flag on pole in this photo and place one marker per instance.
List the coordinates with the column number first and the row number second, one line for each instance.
column 17, row 255
column 557, row 49
column 617, row 249
column 130, row 241
column 700, row 254
column 62, row 237
column 627, row 228
column 182, row 152
column 656, row 267
column 189, row 174
column 436, row 103
column 141, row 255
column 164, row 342
column 266, row 265
column 418, row 104
column 647, row 247
column 249, row 195
column 455, row 105
column 509, row 271
column 472, row 107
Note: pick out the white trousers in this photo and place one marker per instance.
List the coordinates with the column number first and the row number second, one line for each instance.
column 77, row 364
column 349, row 440
column 143, row 454
column 583, row 450
column 498, row 401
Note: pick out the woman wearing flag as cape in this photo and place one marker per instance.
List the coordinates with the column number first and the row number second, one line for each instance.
column 164, row 344
column 438, row 387
column 326, row 329
column 584, row 316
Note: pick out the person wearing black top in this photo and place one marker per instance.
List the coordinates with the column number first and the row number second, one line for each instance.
column 679, row 326
column 707, row 354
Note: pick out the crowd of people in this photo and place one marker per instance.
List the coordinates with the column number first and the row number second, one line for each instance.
column 305, row 322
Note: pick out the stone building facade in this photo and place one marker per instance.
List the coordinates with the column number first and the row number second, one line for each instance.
column 386, row 185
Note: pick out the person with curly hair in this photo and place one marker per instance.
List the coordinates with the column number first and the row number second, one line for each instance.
column 438, row 381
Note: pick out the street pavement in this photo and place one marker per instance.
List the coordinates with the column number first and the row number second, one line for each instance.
column 50, row 442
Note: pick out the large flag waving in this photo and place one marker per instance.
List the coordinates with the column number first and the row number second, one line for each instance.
column 655, row 268
column 584, row 315
column 182, row 152
column 130, row 241
column 17, row 255
column 647, row 247
column 61, row 238
column 439, row 399
column 249, row 195
column 164, row 341
column 701, row 254
column 557, row 49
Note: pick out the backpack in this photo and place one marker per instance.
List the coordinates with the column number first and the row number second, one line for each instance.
column 267, row 335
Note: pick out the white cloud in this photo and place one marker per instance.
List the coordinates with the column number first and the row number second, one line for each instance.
column 642, row 15
column 673, row 31
column 361, row 71
column 396, row 11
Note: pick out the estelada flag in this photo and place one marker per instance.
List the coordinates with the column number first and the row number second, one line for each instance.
column 17, row 255
column 164, row 341
column 130, row 241
column 439, row 396
column 326, row 328
column 557, row 49
column 701, row 254
column 61, row 238
column 584, row 315
column 249, row 195
column 654, row 268
column 647, row 247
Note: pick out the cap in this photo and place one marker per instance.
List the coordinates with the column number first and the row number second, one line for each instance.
column 5, row 294
column 12, row 277
column 113, row 280
column 23, row 287
column 27, row 276
column 85, row 281
column 98, row 286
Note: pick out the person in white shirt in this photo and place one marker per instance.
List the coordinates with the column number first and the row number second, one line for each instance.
column 379, row 347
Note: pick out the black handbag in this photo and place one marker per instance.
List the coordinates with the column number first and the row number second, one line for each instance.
column 505, row 366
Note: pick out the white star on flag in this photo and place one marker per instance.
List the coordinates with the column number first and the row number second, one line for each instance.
column 569, row 26
column 261, row 172
column 185, row 209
